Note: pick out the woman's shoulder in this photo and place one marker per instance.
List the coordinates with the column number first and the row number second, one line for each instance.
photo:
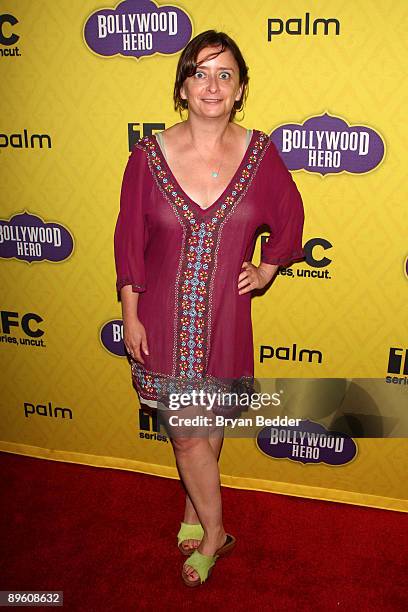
column 142, row 147
column 261, row 134
column 262, row 140
column 266, row 142
column 272, row 160
column 147, row 143
column 139, row 154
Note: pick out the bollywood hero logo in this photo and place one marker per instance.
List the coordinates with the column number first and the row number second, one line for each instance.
column 29, row 238
column 328, row 145
column 136, row 28
column 309, row 442
column 111, row 337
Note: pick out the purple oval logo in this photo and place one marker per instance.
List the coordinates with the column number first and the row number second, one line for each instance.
column 29, row 238
column 308, row 443
column 328, row 145
column 136, row 28
column 111, row 337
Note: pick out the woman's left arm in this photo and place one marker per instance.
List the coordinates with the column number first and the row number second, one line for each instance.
column 284, row 214
column 255, row 277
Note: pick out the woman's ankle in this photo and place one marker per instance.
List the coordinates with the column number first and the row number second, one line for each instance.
column 214, row 533
column 191, row 519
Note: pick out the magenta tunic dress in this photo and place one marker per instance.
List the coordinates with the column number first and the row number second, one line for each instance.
column 184, row 261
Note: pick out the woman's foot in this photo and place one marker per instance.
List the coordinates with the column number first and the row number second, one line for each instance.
column 189, row 545
column 191, row 518
column 208, row 546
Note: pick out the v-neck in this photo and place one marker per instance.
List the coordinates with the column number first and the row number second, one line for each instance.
column 223, row 194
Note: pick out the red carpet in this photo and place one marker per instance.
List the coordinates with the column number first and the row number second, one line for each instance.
column 107, row 539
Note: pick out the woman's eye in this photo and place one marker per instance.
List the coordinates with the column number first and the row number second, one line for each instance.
column 199, row 74
column 226, row 74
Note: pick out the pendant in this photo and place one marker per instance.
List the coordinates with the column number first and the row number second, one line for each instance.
column 214, row 174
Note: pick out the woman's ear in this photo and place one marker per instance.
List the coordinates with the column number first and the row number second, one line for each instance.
column 239, row 93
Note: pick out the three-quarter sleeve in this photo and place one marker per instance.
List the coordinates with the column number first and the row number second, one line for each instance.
column 284, row 214
column 131, row 232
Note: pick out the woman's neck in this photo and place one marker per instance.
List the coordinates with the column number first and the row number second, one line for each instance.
column 214, row 132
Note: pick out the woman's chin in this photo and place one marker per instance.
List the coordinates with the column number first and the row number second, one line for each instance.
column 215, row 110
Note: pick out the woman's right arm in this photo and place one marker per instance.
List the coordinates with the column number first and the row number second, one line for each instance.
column 134, row 333
column 130, row 239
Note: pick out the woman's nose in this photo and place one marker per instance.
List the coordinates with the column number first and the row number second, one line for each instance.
column 212, row 84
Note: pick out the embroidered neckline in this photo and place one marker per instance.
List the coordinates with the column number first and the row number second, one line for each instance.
column 221, row 196
column 168, row 183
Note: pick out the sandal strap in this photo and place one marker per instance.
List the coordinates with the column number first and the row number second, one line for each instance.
column 190, row 532
column 201, row 563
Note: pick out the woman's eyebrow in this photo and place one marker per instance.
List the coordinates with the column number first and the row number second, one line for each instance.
column 220, row 68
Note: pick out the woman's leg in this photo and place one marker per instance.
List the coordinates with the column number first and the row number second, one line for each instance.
column 198, row 467
column 216, row 438
column 190, row 514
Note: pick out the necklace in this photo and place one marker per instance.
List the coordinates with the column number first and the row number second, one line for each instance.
column 214, row 173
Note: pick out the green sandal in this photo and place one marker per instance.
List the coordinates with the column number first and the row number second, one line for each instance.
column 202, row 564
column 189, row 531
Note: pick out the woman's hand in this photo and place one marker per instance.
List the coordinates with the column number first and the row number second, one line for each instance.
column 134, row 338
column 255, row 277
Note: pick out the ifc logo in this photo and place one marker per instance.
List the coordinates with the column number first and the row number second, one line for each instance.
column 8, row 36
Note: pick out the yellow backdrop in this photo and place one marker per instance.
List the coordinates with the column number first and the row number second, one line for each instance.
column 72, row 106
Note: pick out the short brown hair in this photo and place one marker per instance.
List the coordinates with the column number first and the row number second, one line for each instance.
column 187, row 66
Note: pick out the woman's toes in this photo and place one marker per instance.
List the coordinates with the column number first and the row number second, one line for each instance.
column 187, row 545
column 191, row 573
column 191, row 544
column 193, row 576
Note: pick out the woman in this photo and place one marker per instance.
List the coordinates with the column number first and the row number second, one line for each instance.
column 192, row 199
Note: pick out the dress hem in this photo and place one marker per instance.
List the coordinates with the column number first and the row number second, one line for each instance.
column 158, row 387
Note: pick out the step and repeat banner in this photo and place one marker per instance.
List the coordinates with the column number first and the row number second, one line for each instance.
column 82, row 82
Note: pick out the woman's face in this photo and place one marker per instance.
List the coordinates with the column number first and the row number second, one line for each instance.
column 213, row 89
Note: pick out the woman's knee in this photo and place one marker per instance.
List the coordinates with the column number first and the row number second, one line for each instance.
column 189, row 445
